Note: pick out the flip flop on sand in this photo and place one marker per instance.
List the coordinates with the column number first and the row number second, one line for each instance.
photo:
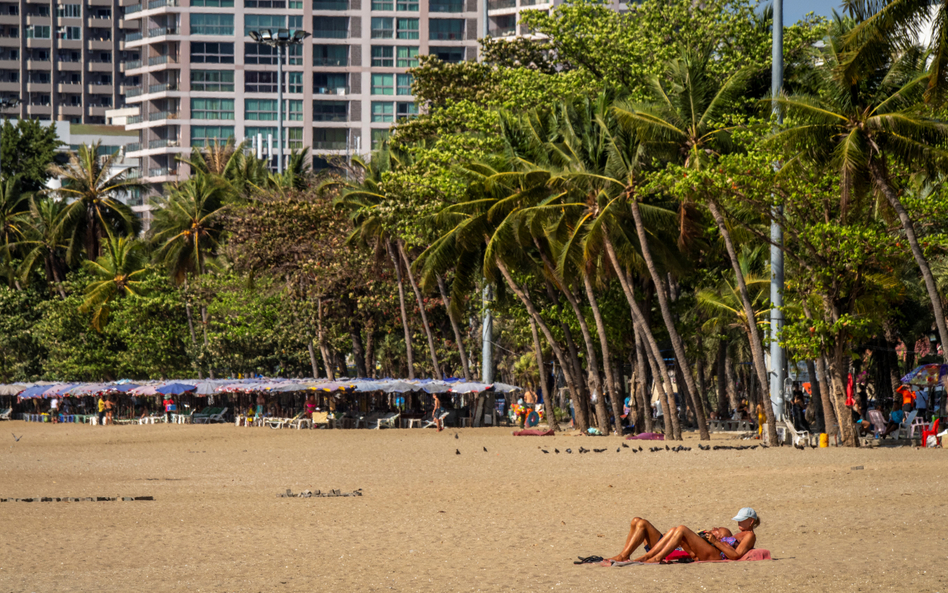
column 589, row 560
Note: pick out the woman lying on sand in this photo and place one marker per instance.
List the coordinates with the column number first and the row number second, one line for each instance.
column 716, row 544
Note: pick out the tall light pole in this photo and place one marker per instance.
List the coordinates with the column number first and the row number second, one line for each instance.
column 280, row 39
column 5, row 104
column 776, row 235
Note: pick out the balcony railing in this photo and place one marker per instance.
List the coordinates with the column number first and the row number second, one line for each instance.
column 134, row 147
column 161, row 31
column 330, row 62
column 446, row 7
column 133, row 92
column 498, row 4
column 134, row 172
column 134, row 119
column 339, row 90
column 330, row 5
column 447, row 35
column 502, row 31
column 156, row 60
column 330, row 34
column 162, row 115
column 330, row 117
column 160, row 88
column 133, row 9
column 533, row 2
column 329, row 145
column 133, row 36
column 132, row 64
column 153, row 4
column 162, row 172
column 163, row 143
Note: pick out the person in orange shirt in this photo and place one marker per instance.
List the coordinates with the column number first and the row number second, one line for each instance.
column 908, row 398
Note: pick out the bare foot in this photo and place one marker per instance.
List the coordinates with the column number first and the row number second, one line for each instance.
column 618, row 558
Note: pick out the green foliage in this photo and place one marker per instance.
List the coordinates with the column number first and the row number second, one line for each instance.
column 27, row 150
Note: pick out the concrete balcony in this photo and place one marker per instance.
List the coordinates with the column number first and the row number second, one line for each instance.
column 159, row 60
column 39, row 87
column 9, row 87
column 69, row 87
column 101, row 89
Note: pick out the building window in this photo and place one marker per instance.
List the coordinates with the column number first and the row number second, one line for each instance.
column 384, row 5
column 383, row 84
column 330, row 83
column 383, row 27
column 294, row 138
column 407, row 57
column 260, row 109
column 446, row 6
column 212, row 81
column 74, row 33
column 446, row 29
column 405, row 110
column 404, row 84
column 378, row 137
column 212, row 24
column 265, row 3
column 295, row 82
column 260, row 82
column 265, row 133
column 294, row 55
column 255, row 22
column 294, row 22
column 406, row 5
column 407, row 28
column 330, row 5
column 69, row 11
column 330, row 55
column 213, row 3
column 212, row 109
column 292, row 110
column 383, row 56
column 296, row 4
column 37, row 32
column 258, row 53
column 212, row 53
column 383, row 112
column 448, row 55
column 202, row 135
column 330, row 138
column 330, row 110
column 330, row 27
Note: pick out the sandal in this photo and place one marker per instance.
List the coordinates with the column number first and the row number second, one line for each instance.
column 589, row 560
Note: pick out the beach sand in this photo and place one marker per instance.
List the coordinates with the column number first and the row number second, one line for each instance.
column 510, row 518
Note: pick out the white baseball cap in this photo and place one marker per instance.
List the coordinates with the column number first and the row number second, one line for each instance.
column 745, row 513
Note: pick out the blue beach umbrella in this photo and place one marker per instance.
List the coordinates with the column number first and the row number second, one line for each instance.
column 175, row 389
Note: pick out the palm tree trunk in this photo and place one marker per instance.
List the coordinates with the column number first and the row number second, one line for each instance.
column 839, row 371
column 653, row 353
column 830, row 421
column 673, row 334
column 756, row 343
column 606, row 361
column 722, row 379
column 528, row 303
column 421, row 308
column 369, row 353
column 541, row 371
column 312, row 357
column 876, row 170
column 323, row 350
column 190, row 314
column 734, row 396
column 580, row 405
column 62, row 293
column 401, row 301
column 640, row 389
column 465, row 368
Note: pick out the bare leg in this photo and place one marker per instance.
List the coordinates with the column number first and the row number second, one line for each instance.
column 688, row 540
column 639, row 532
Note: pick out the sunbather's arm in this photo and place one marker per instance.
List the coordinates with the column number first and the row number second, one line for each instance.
column 743, row 547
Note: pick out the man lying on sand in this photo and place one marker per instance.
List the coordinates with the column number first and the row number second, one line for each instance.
column 716, row 544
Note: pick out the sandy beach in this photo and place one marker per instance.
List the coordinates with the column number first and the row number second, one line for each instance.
column 510, row 518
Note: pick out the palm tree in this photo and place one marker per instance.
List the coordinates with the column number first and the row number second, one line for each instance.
column 187, row 227
column 44, row 243
column 93, row 188
column 862, row 122
column 117, row 272
column 683, row 125
column 14, row 210
column 231, row 164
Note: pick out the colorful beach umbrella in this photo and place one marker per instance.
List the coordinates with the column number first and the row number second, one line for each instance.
column 926, row 375
column 175, row 389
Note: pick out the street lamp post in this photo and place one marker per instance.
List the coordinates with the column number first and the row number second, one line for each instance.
column 777, row 394
column 280, row 39
column 5, row 104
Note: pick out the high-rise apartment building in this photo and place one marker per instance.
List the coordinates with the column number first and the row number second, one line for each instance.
column 60, row 59
column 200, row 77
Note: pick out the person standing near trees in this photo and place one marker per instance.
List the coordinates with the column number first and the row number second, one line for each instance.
column 54, row 410
column 101, row 410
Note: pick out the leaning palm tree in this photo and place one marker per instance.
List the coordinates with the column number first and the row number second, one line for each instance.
column 864, row 123
column 93, row 188
column 116, row 273
column 187, row 226
column 14, row 210
column 44, row 244
column 686, row 123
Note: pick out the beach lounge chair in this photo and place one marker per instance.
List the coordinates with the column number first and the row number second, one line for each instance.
column 209, row 415
column 878, row 422
column 320, row 419
column 6, row 414
column 433, row 424
column 274, row 422
column 388, row 421
column 907, row 425
column 795, row 436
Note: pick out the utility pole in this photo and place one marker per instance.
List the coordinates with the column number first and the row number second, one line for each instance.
column 776, row 237
column 487, row 336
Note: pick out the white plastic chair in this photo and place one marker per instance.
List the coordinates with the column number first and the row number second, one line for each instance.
column 388, row 421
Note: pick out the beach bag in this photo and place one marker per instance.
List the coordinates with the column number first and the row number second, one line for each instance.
column 171, row 408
